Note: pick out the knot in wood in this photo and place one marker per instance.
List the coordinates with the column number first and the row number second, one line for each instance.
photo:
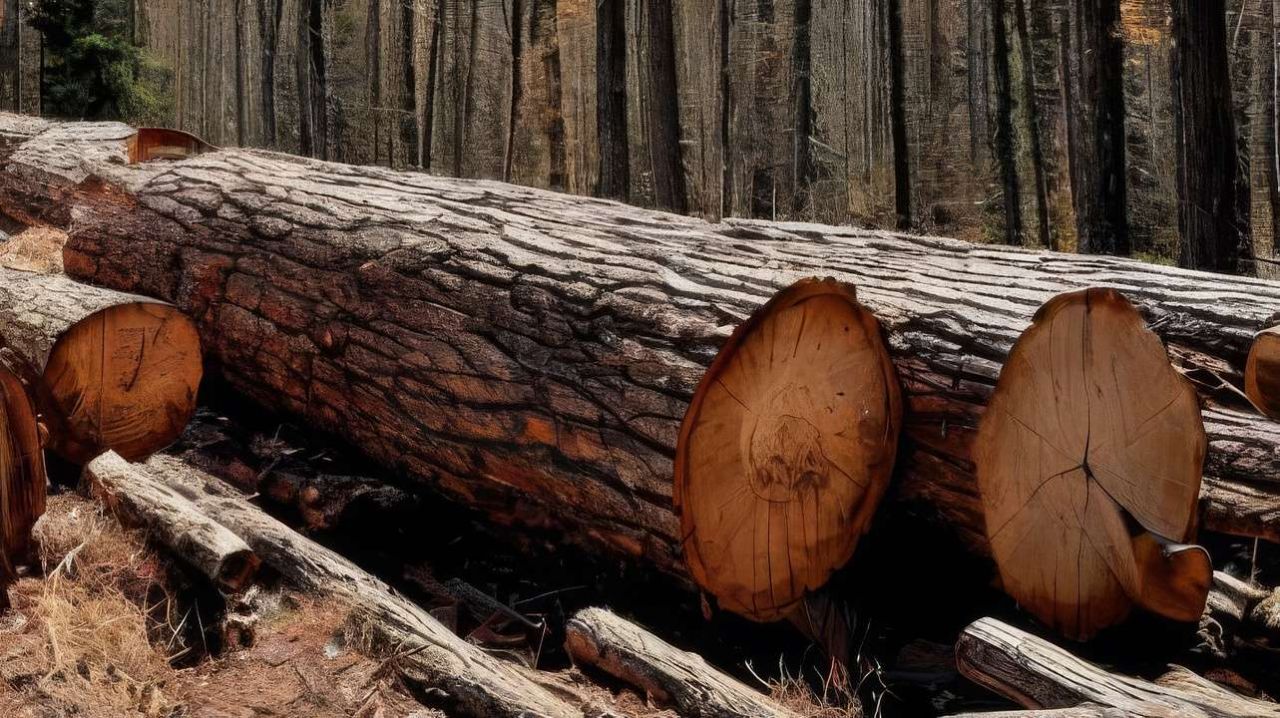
column 786, row 456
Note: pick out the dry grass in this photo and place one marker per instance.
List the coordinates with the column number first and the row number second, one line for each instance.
column 837, row 699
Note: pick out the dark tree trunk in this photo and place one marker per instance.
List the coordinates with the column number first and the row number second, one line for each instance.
column 803, row 158
column 1005, row 147
column 664, row 129
column 1095, row 76
column 1211, row 206
column 898, row 118
column 269, row 16
column 611, row 98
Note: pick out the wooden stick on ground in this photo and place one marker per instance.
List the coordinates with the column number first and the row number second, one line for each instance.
column 134, row 495
column 1037, row 674
column 1091, row 432
column 598, row 637
column 108, row 370
column 22, row 477
column 532, row 354
column 786, row 450
column 425, row 652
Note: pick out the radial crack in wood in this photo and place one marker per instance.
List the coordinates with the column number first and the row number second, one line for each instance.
column 1090, row 437
column 22, row 477
column 109, row 370
column 1036, row 674
column 786, row 449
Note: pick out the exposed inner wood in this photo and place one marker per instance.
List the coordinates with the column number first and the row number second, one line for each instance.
column 107, row 370
column 1037, row 674
column 787, row 449
column 158, row 143
column 1262, row 372
column 22, row 477
column 1090, row 438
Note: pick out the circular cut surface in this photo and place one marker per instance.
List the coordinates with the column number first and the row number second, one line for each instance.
column 1090, row 437
column 1262, row 372
column 786, row 449
column 22, row 491
column 125, row 379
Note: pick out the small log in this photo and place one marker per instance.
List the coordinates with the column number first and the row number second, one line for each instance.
column 1231, row 598
column 1262, row 372
column 1088, row 461
column 139, row 500
column 787, row 449
column 427, row 654
column 22, row 477
column 1037, row 674
column 599, row 638
column 108, row 370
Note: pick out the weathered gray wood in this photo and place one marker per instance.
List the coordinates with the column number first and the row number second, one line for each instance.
column 532, row 354
column 1076, row 712
column 139, row 500
column 426, row 652
column 1037, row 674
column 600, row 638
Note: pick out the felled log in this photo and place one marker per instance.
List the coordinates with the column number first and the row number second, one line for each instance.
column 786, row 450
column 532, row 354
column 1037, row 674
column 425, row 652
column 1088, row 459
column 1076, row 712
column 599, row 638
column 139, row 500
column 108, row 370
column 22, row 477
column 46, row 163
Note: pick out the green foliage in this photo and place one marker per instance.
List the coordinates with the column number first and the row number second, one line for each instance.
column 92, row 68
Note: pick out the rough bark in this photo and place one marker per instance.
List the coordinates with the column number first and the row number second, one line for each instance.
column 611, row 99
column 533, row 354
column 1037, row 674
column 107, row 369
column 1212, row 198
column 1076, row 712
column 427, row 654
column 170, row 518
column 600, row 638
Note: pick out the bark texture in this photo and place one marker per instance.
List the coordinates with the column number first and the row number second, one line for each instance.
column 428, row 654
column 1037, row 674
column 533, row 354
column 172, row 519
column 601, row 639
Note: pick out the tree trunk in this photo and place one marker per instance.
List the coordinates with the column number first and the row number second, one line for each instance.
column 533, row 354
column 108, row 370
column 611, row 99
column 428, row 655
column 1212, row 203
column 1038, row 674
column 1095, row 78
column 173, row 520
column 601, row 639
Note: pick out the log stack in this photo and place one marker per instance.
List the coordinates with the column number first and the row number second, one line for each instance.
column 533, row 355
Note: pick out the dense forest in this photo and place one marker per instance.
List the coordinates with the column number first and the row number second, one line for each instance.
column 1124, row 127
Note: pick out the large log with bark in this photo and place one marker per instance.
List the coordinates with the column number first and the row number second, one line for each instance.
column 532, row 354
column 423, row 650
column 107, row 370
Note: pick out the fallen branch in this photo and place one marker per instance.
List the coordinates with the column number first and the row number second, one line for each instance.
column 599, row 638
column 1037, row 674
column 141, row 501
column 426, row 653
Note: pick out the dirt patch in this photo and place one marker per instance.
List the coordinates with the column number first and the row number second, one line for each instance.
column 38, row 249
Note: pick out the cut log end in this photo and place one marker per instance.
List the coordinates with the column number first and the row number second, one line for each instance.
column 786, row 449
column 22, row 477
column 1090, row 441
column 1262, row 372
column 125, row 379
